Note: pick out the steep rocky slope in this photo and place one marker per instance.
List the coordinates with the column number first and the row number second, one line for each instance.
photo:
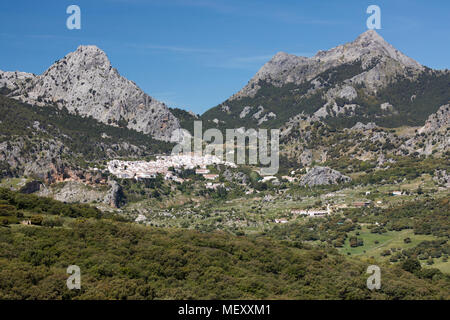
column 85, row 83
column 14, row 80
column 323, row 176
column 434, row 136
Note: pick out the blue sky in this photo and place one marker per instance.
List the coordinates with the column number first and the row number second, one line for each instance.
column 194, row 54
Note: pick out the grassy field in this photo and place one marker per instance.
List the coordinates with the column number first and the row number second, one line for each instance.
column 443, row 266
column 13, row 183
column 389, row 240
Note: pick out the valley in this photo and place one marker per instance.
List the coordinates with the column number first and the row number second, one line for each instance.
column 87, row 176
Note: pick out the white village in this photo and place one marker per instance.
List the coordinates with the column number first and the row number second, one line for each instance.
column 150, row 169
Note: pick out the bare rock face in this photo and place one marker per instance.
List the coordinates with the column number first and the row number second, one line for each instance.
column 14, row 80
column 43, row 161
column 239, row 177
column 245, row 112
column 306, row 157
column 323, row 176
column 286, row 68
column 434, row 136
column 114, row 196
column 438, row 121
column 85, row 83
column 73, row 192
column 348, row 92
column 442, row 177
column 364, row 127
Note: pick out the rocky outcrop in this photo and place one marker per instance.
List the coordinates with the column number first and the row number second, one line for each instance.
column 238, row 177
column 348, row 92
column 14, row 80
column 442, row 177
column 364, row 127
column 114, row 197
column 434, row 136
column 31, row 187
column 39, row 160
column 245, row 111
column 50, row 160
column 267, row 117
column 73, row 192
column 85, row 83
column 438, row 121
column 306, row 157
column 323, row 176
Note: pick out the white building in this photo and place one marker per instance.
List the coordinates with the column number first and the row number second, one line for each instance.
column 140, row 169
column 313, row 212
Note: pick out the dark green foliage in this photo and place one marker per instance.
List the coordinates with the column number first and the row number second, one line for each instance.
column 144, row 189
column 337, row 75
column 405, row 168
column 7, row 170
column 330, row 229
column 12, row 202
column 285, row 102
column 31, row 187
column 185, row 118
column 411, row 265
column 36, row 220
column 4, row 90
column 429, row 216
column 426, row 249
column 412, row 100
column 82, row 135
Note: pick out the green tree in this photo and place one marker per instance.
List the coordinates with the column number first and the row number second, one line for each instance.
column 411, row 265
column 36, row 220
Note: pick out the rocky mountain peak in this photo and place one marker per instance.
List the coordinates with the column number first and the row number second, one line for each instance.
column 284, row 61
column 89, row 49
column 370, row 36
column 85, row 58
column 282, row 56
column 365, row 47
column 90, row 53
column 368, row 47
column 85, row 83
column 370, row 42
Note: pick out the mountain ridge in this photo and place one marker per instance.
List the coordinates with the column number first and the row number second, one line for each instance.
column 289, row 68
column 350, row 83
column 366, row 80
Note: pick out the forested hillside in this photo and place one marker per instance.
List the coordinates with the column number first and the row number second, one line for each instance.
column 119, row 260
column 83, row 135
column 40, row 141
